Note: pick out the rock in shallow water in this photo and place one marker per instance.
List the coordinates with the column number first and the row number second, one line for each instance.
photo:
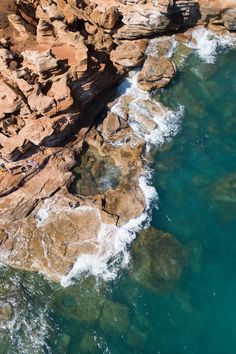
column 158, row 259
column 115, row 317
column 95, row 174
column 225, row 189
column 82, row 302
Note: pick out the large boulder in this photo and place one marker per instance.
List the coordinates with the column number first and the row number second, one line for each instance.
column 129, row 53
column 109, row 18
column 156, row 73
column 140, row 23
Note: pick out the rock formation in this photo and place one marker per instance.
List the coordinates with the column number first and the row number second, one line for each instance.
column 60, row 63
column 156, row 73
column 158, row 260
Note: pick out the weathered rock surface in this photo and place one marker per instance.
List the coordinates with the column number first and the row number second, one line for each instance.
column 219, row 12
column 59, row 64
column 229, row 19
column 156, row 73
column 129, row 54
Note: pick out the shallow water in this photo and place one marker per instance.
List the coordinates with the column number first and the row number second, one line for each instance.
column 195, row 314
column 94, row 174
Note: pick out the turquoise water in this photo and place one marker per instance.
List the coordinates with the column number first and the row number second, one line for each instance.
column 179, row 294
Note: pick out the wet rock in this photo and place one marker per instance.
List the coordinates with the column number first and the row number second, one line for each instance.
column 111, row 124
column 225, row 189
column 115, row 318
column 127, row 201
column 158, row 260
column 156, row 73
column 95, row 174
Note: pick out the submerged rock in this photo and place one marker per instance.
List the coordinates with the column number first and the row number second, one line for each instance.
column 158, row 259
column 88, row 344
column 135, row 338
column 115, row 317
column 81, row 302
column 225, row 189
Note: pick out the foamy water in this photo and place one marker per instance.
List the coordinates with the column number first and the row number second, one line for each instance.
column 27, row 330
column 207, row 43
column 148, row 118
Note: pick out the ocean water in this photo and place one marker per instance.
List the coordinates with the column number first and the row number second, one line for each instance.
column 178, row 294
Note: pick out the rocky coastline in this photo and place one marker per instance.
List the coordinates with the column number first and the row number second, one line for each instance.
column 60, row 65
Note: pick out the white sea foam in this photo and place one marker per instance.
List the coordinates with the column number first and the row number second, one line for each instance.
column 145, row 113
column 207, row 43
column 27, row 331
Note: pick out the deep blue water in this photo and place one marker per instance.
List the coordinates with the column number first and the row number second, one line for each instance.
column 191, row 312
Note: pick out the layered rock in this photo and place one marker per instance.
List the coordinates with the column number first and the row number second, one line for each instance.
column 219, row 12
column 58, row 69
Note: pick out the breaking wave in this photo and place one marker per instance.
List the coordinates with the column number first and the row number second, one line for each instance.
column 207, row 43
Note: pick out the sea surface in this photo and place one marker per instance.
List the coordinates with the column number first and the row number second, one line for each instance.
column 177, row 299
